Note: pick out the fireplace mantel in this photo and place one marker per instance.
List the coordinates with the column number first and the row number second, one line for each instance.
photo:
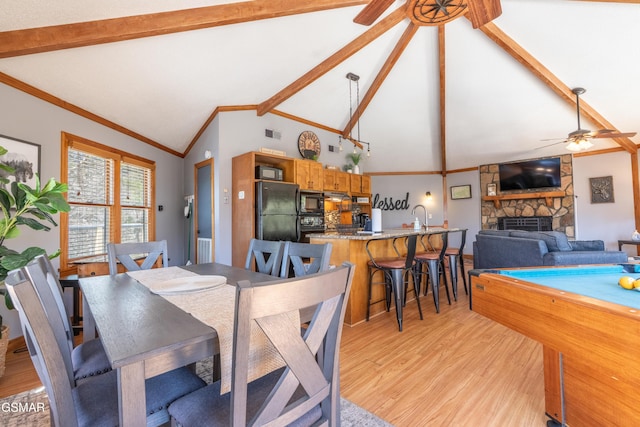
column 547, row 195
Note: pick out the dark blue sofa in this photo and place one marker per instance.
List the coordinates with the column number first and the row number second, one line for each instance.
column 515, row 248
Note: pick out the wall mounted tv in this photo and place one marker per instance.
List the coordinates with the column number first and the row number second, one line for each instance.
column 530, row 174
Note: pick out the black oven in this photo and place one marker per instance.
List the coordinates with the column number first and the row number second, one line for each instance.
column 310, row 224
column 311, row 203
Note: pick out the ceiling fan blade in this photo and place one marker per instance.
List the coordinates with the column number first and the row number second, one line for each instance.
column 607, row 133
column 483, row 11
column 372, row 11
column 555, row 139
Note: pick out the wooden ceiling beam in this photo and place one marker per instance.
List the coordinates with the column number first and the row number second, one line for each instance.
column 328, row 64
column 382, row 75
column 552, row 81
column 57, row 37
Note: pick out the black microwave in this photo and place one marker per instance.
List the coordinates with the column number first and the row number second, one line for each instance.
column 312, row 203
column 268, row 172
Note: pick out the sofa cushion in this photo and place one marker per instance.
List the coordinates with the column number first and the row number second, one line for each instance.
column 555, row 240
column 492, row 232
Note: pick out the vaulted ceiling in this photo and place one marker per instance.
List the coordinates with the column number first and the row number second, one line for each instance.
column 451, row 94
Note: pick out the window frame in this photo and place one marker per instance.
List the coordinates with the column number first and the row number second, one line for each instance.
column 70, row 141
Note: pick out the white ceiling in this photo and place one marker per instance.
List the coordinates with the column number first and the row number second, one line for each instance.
column 165, row 87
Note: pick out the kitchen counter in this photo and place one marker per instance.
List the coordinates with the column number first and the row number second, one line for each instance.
column 385, row 234
column 353, row 248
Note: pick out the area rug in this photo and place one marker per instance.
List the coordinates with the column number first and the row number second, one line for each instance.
column 31, row 408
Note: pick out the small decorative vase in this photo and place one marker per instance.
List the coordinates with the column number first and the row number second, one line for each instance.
column 356, row 169
column 635, row 236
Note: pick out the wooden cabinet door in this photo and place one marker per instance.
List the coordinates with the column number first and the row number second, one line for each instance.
column 356, row 183
column 366, row 184
column 329, row 179
column 315, row 176
column 302, row 174
column 343, row 181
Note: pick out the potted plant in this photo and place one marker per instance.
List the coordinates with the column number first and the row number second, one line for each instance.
column 355, row 159
column 22, row 205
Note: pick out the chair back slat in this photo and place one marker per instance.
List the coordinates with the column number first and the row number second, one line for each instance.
column 44, row 350
column 305, row 258
column 270, row 305
column 267, row 256
column 41, row 274
column 126, row 254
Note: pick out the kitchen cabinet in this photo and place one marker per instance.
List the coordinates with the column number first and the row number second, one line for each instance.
column 309, row 175
column 243, row 176
column 335, row 180
column 360, row 184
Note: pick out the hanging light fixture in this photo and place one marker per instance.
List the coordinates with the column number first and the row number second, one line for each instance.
column 356, row 141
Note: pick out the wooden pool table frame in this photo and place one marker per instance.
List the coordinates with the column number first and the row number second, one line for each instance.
column 599, row 343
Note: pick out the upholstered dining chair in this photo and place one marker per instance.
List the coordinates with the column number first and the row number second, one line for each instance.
column 431, row 265
column 84, row 360
column 454, row 257
column 267, row 256
column 307, row 390
column 304, row 258
column 125, row 253
column 396, row 271
column 92, row 401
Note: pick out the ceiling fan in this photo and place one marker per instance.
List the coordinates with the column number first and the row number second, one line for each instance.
column 435, row 11
column 578, row 140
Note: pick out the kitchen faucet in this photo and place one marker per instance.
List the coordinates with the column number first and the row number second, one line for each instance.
column 426, row 222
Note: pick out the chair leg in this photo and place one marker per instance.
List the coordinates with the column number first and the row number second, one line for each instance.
column 398, row 283
column 453, row 272
column 434, row 277
column 464, row 277
column 416, row 290
column 444, row 279
column 371, row 273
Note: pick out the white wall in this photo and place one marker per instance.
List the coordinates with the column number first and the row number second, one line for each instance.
column 465, row 213
column 604, row 221
column 28, row 118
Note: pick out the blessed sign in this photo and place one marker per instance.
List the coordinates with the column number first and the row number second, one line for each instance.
column 391, row 204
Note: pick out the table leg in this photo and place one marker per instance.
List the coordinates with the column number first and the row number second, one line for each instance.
column 131, row 395
column 88, row 323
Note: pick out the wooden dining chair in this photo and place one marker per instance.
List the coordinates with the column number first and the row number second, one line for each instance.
column 127, row 254
column 300, row 259
column 93, row 401
column 84, row 360
column 267, row 256
column 307, row 390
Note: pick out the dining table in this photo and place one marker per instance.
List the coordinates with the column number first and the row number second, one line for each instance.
column 144, row 334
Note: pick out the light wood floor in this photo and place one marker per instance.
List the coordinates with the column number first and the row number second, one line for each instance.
column 455, row 368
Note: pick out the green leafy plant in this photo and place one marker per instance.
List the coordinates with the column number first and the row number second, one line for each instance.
column 22, row 205
column 354, row 157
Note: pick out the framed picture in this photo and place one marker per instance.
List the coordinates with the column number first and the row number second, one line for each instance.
column 461, row 192
column 601, row 189
column 492, row 190
column 23, row 157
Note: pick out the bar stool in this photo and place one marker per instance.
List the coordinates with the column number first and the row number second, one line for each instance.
column 454, row 256
column 433, row 261
column 396, row 271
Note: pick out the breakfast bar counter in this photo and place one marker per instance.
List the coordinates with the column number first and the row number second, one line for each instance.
column 351, row 247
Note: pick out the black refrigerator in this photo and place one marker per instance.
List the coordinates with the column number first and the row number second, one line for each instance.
column 277, row 211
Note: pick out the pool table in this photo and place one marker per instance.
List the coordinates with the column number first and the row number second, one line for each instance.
column 589, row 328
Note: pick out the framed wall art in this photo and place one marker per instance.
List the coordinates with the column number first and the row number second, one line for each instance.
column 23, row 157
column 492, row 190
column 460, row 192
column 601, row 189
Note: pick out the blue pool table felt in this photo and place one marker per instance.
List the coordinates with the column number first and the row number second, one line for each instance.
column 600, row 282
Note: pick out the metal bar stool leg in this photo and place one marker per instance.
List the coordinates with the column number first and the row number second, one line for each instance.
column 398, row 284
column 453, row 272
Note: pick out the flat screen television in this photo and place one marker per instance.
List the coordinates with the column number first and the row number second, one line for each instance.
column 530, row 174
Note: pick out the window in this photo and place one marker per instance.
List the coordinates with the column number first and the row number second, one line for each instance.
column 111, row 198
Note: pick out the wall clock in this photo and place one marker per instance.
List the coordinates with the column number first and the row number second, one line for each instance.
column 309, row 145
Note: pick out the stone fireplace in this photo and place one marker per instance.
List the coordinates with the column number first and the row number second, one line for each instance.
column 520, row 209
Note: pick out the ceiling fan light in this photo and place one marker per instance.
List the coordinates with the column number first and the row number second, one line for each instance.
column 579, row 145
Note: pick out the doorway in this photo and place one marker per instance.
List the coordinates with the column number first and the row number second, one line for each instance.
column 204, row 211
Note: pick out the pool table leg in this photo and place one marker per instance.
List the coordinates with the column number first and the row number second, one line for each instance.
column 552, row 361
